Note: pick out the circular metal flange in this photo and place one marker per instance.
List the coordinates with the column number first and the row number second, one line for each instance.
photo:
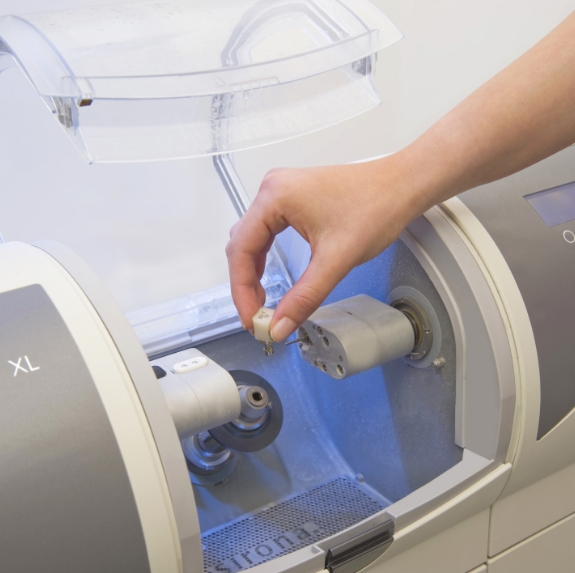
column 244, row 439
column 254, row 410
column 208, row 467
column 425, row 323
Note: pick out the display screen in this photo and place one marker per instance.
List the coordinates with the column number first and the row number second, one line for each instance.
column 555, row 205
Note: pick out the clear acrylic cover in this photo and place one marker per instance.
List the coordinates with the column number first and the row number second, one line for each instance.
column 163, row 80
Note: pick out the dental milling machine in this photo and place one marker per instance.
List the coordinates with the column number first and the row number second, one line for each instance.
column 421, row 421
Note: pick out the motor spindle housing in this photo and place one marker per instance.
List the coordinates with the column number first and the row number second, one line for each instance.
column 359, row 333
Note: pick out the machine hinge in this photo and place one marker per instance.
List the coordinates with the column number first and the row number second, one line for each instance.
column 358, row 552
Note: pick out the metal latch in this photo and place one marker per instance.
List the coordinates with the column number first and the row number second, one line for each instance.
column 358, row 552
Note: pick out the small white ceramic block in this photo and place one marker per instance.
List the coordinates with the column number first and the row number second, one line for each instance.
column 262, row 323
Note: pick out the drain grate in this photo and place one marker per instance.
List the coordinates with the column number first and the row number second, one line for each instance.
column 287, row 526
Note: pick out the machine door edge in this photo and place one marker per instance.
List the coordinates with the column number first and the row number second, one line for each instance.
column 150, row 395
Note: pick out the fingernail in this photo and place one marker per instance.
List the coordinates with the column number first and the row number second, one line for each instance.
column 283, row 329
column 251, row 331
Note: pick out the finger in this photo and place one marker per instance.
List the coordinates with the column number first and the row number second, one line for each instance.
column 234, row 228
column 244, row 252
column 245, row 286
column 260, row 261
column 262, row 257
column 326, row 269
column 260, row 295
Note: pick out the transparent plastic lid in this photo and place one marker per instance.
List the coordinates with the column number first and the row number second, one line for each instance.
column 162, row 80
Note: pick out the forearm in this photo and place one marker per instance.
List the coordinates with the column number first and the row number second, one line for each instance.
column 521, row 116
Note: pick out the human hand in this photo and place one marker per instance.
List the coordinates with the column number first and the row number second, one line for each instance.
column 350, row 213
column 347, row 213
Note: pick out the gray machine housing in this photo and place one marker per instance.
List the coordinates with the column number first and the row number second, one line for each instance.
column 541, row 260
column 359, row 463
column 332, row 440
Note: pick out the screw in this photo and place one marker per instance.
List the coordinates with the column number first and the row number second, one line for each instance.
column 439, row 363
column 268, row 349
column 303, row 338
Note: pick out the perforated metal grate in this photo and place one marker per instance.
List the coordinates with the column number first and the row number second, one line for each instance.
column 287, row 526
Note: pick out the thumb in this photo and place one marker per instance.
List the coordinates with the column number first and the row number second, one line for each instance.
column 324, row 272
